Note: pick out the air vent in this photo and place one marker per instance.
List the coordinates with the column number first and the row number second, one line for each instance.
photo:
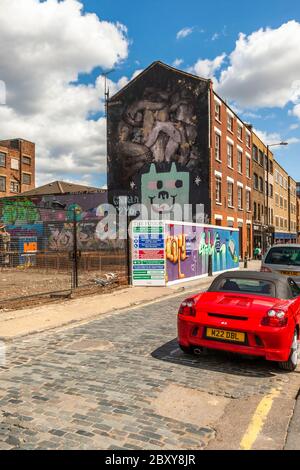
column 230, row 317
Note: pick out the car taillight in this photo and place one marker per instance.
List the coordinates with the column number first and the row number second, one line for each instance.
column 275, row 318
column 188, row 307
column 264, row 269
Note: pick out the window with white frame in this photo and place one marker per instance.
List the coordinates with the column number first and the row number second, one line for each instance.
column 281, row 202
column 15, row 164
column 240, row 161
column 229, row 155
column 14, row 187
column 240, row 198
column 217, row 111
column 218, row 190
column 248, row 167
column 218, row 147
column 248, row 140
column 229, row 122
column 240, row 132
column 248, row 201
column 230, row 194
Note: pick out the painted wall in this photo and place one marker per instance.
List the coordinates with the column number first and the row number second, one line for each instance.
column 188, row 248
column 158, row 140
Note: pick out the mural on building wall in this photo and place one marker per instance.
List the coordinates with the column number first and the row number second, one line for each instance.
column 162, row 191
column 159, row 125
column 188, row 249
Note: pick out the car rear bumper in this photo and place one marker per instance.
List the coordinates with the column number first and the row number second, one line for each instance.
column 272, row 344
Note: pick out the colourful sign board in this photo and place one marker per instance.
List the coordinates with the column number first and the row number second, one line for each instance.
column 148, row 254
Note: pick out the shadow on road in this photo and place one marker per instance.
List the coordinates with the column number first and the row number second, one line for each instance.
column 218, row 361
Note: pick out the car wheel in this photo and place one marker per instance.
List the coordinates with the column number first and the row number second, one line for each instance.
column 186, row 349
column 292, row 361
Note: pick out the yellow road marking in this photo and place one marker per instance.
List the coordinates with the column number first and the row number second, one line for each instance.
column 258, row 419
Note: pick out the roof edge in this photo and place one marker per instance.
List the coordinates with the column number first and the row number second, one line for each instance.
column 162, row 64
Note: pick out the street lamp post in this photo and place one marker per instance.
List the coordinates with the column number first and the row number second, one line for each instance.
column 268, row 167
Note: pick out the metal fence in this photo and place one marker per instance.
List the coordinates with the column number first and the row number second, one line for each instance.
column 55, row 251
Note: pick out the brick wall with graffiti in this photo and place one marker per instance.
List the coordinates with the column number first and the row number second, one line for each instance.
column 48, row 221
column 158, row 141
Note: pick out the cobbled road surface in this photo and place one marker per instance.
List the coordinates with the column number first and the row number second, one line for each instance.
column 97, row 385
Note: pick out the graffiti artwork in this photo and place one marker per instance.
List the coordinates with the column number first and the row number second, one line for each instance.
column 161, row 191
column 199, row 242
column 176, row 251
column 159, row 124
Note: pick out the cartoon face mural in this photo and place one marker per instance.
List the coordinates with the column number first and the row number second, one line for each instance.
column 161, row 191
column 159, row 121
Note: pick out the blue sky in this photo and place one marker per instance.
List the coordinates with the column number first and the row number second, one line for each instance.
column 55, row 89
column 152, row 29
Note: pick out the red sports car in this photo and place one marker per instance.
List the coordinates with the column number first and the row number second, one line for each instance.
column 248, row 312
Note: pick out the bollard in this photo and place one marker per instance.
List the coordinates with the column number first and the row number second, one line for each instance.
column 245, row 262
column 210, row 273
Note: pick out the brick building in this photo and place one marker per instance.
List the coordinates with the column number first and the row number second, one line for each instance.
column 17, row 166
column 298, row 210
column 167, row 127
column 292, row 204
column 282, row 206
column 231, row 171
column 263, row 194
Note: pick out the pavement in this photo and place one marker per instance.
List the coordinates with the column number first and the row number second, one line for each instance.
column 65, row 313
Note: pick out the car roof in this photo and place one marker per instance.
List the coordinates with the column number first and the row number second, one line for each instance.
column 264, row 276
column 282, row 287
column 284, row 245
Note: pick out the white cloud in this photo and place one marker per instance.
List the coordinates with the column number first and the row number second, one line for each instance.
column 215, row 36
column 296, row 111
column 206, row 68
column 268, row 137
column 294, row 126
column 274, row 138
column 264, row 68
column 184, row 32
column 177, row 62
column 44, row 48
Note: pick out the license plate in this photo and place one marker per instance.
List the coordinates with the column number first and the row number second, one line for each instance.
column 290, row 273
column 225, row 335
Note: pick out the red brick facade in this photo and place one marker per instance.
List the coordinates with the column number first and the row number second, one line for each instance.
column 230, row 171
column 17, row 166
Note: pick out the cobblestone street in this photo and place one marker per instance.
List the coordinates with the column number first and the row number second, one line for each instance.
column 113, row 384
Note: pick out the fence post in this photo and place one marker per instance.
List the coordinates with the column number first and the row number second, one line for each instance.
column 210, row 273
column 75, row 254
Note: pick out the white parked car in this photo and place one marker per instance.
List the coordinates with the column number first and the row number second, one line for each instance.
column 284, row 259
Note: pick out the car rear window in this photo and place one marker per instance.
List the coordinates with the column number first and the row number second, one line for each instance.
column 247, row 286
column 289, row 256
